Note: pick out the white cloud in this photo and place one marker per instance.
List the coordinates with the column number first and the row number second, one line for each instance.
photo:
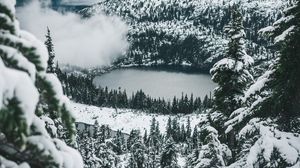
column 82, row 42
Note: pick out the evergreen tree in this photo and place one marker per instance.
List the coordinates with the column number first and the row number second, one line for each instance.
column 153, row 159
column 182, row 133
column 268, row 124
column 107, row 158
column 133, row 137
column 154, row 134
column 195, row 138
column 188, row 128
column 137, row 155
column 145, row 138
column 99, row 132
column 169, row 155
column 50, row 47
column 169, row 128
column 205, row 102
column 285, row 81
column 32, row 106
column 175, row 130
column 232, row 72
column 119, row 143
column 210, row 152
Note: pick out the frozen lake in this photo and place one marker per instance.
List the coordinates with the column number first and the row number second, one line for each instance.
column 157, row 83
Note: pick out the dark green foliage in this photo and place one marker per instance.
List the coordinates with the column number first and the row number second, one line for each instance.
column 119, row 143
column 133, row 137
column 39, row 158
column 231, row 73
column 195, row 138
column 137, row 155
column 24, row 135
column 178, row 133
column 285, row 82
column 28, row 52
column 12, row 122
column 169, row 155
column 188, row 128
column 49, row 105
column 154, row 136
column 50, row 48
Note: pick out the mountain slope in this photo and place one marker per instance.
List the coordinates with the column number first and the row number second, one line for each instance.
column 183, row 32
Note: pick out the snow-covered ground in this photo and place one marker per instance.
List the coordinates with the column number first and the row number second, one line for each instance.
column 126, row 119
column 125, row 158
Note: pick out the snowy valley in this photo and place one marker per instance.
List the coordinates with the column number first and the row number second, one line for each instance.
column 149, row 84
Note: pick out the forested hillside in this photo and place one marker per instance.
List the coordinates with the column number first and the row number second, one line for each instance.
column 184, row 32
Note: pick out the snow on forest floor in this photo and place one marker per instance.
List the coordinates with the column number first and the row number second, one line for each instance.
column 124, row 159
column 127, row 119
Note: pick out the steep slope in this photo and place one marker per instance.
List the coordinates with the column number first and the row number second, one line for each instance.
column 183, row 32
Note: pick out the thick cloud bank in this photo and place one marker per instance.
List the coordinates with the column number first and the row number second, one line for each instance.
column 83, row 42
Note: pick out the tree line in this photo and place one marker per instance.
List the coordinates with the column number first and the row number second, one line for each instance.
column 81, row 89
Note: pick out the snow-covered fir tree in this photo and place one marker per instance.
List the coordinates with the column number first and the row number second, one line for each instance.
column 211, row 152
column 118, row 142
column 168, row 157
column 154, row 145
column 133, row 137
column 32, row 105
column 137, row 154
column 51, row 53
column 232, row 72
column 269, row 123
column 108, row 158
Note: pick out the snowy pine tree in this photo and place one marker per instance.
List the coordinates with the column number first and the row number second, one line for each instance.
column 232, row 72
column 168, row 157
column 133, row 137
column 285, row 81
column 269, row 124
column 51, row 53
column 188, row 128
column 118, row 141
column 32, row 105
column 137, row 154
column 210, row 151
column 108, row 159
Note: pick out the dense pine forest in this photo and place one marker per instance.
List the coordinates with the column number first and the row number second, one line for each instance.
column 187, row 33
column 252, row 52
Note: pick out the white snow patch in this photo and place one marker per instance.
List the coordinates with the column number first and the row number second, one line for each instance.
column 127, row 119
column 284, row 34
